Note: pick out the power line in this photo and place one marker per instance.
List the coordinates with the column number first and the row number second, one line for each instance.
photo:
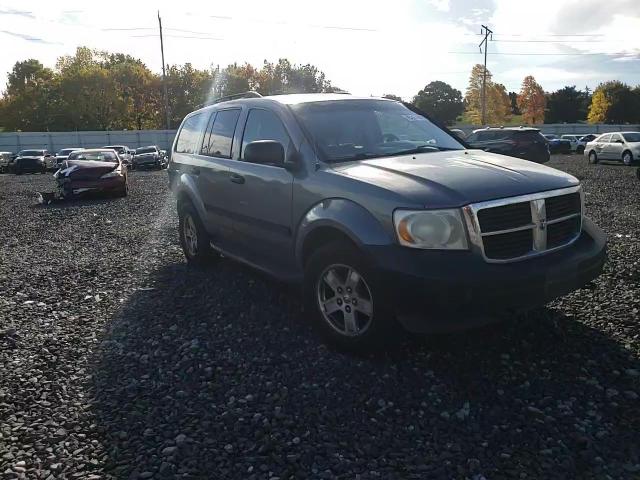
column 620, row 54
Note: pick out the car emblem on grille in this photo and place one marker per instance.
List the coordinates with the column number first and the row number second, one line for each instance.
column 539, row 217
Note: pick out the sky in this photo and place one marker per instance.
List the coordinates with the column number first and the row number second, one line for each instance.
column 369, row 47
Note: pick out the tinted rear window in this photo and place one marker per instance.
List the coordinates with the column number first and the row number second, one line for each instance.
column 220, row 138
column 531, row 135
column 190, row 134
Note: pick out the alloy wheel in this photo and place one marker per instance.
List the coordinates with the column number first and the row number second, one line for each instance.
column 190, row 236
column 627, row 158
column 345, row 300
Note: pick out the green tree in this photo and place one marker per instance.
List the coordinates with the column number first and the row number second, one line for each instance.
column 440, row 100
column 532, row 101
column 614, row 102
column 187, row 89
column 30, row 97
column 497, row 98
column 391, row 96
column 565, row 105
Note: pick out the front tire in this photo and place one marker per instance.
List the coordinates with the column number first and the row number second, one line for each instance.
column 627, row 158
column 347, row 301
column 593, row 157
column 194, row 238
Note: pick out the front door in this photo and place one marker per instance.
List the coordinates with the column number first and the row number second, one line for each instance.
column 615, row 147
column 260, row 197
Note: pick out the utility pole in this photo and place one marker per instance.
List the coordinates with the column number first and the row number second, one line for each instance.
column 486, row 32
column 164, row 76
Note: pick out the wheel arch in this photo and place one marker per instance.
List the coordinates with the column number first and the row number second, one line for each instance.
column 338, row 219
column 187, row 192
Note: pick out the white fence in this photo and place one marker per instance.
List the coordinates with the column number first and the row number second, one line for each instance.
column 566, row 128
column 54, row 141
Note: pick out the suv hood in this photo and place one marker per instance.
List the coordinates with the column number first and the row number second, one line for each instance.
column 31, row 157
column 457, row 178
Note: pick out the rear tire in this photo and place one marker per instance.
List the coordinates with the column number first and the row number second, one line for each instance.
column 627, row 157
column 194, row 238
column 593, row 157
column 347, row 300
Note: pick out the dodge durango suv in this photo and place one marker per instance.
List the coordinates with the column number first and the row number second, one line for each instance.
column 384, row 217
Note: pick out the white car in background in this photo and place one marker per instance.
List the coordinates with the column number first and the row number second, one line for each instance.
column 622, row 146
column 574, row 139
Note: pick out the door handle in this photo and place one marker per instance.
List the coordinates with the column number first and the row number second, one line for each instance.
column 235, row 178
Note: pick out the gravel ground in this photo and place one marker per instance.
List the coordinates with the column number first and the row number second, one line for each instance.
column 118, row 361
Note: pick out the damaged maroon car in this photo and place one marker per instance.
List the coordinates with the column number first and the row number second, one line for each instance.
column 92, row 171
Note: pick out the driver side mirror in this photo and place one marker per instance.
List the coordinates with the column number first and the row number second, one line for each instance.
column 265, row 152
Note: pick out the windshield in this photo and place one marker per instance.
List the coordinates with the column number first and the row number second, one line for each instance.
column 65, row 151
column 632, row 137
column 146, row 150
column 31, row 153
column 359, row 129
column 99, row 156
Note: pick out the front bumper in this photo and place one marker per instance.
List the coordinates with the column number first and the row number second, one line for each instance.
column 440, row 291
column 77, row 187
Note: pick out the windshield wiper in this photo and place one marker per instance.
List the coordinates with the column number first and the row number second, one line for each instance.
column 357, row 156
column 420, row 149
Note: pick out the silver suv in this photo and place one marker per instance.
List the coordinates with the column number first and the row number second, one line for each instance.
column 385, row 218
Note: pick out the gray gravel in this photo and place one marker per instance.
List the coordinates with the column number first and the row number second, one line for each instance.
column 118, row 361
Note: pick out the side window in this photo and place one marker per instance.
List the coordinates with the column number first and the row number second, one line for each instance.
column 190, row 133
column 605, row 139
column 264, row 125
column 220, row 138
column 616, row 138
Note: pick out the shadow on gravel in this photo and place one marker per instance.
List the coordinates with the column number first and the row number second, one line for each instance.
column 216, row 374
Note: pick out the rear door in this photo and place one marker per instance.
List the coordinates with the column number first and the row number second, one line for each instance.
column 213, row 171
column 601, row 146
column 260, row 196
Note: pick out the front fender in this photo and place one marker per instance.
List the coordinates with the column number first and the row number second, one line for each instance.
column 352, row 219
column 185, row 186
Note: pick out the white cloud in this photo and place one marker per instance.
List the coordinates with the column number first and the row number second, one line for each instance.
column 367, row 47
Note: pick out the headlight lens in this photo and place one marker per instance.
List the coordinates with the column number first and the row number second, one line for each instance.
column 431, row 229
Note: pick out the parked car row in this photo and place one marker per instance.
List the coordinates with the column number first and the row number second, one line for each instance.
column 41, row 161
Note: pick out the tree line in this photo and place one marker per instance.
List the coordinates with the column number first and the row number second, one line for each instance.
column 97, row 90
column 611, row 102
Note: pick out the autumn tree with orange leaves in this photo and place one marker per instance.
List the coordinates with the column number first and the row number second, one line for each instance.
column 532, row 101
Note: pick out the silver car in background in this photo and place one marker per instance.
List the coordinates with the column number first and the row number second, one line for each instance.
column 622, row 146
column 63, row 154
column 123, row 152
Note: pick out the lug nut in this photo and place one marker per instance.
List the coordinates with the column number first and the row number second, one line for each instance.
column 339, row 302
column 347, row 309
column 339, row 289
column 354, row 301
column 348, row 289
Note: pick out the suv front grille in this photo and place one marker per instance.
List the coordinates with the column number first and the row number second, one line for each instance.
column 515, row 228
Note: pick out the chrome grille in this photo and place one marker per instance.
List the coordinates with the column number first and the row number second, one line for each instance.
column 516, row 228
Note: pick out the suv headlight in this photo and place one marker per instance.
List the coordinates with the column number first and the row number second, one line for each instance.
column 431, row 229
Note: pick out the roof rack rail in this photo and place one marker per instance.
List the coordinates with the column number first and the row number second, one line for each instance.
column 235, row 96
